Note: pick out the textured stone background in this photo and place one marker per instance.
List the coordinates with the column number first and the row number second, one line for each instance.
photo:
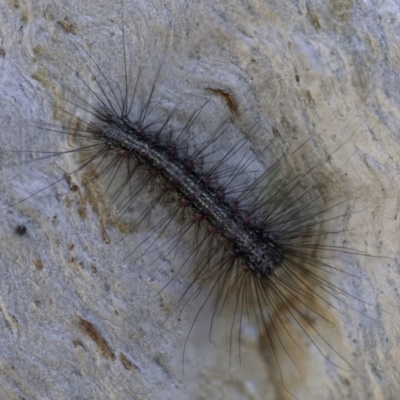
column 78, row 321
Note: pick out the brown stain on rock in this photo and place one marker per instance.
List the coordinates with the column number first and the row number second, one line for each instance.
column 68, row 27
column 78, row 265
column 73, row 187
column 127, row 364
column 315, row 21
column 94, row 334
column 228, row 97
column 309, row 98
column 38, row 264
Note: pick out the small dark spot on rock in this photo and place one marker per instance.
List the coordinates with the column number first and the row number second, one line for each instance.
column 20, row 230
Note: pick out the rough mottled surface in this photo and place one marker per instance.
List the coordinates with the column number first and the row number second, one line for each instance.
column 77, row 320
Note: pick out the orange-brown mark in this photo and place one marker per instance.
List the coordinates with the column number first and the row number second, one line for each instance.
column 230, row 100
column 81, row 206
column 315, row 21
column 38, row 264
column 126, row 363
column 75, row 263
column 101, row 343
column 68, row 27
column 106, row 238
column 81, row 201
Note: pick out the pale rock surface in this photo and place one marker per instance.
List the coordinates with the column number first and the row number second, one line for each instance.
column 78, row 320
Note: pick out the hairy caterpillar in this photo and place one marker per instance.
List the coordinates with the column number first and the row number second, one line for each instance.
column 87, row 262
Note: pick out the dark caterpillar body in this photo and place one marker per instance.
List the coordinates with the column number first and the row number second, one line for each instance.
column 244, row 237
column 256, row 243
